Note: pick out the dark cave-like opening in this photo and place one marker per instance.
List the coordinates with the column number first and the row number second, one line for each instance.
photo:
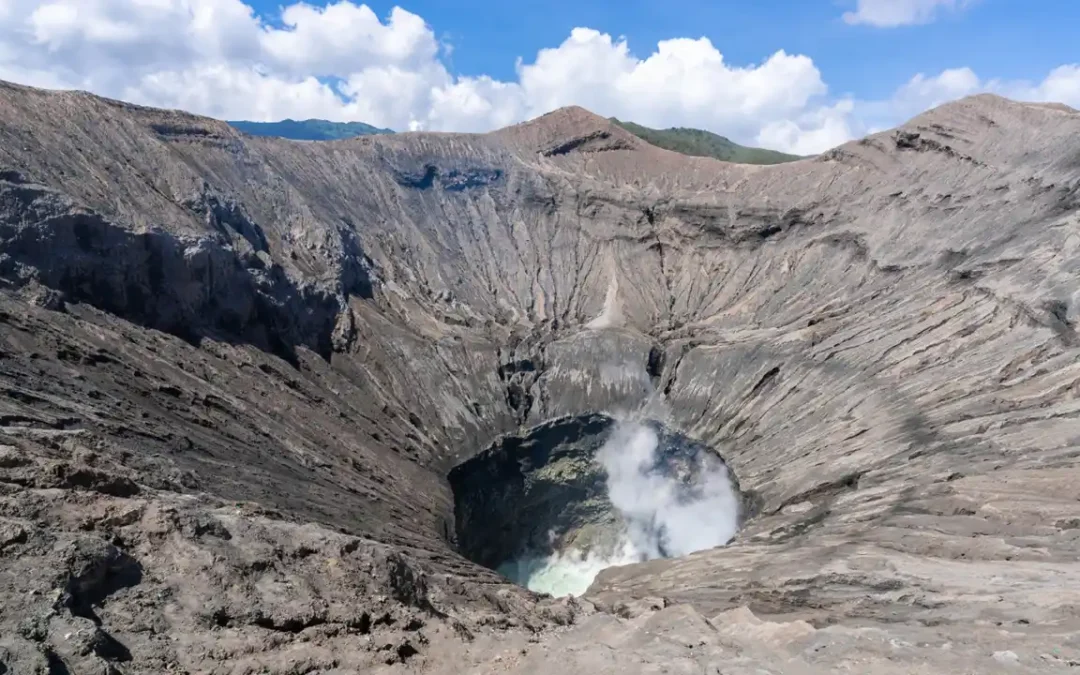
column 552, row 506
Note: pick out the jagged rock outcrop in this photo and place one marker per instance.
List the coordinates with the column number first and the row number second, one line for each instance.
column 237, row 371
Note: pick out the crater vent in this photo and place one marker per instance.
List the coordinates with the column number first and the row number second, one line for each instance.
column 551, row 507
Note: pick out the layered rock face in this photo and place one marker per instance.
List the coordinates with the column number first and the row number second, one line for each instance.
column 237, row 372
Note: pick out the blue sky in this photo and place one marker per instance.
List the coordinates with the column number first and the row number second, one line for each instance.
column 794, row 75
column 1000, row 38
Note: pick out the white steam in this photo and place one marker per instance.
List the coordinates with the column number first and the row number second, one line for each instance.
column 565, row 573
column 664, row 515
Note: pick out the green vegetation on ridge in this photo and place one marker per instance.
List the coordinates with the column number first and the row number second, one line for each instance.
column 683, row 140
column 702, row 143
column 309, row 130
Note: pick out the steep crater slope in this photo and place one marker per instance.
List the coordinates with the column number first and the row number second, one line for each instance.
column 255, row 363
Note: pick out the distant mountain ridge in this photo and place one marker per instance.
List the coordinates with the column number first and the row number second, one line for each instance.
column 683, row 140
column 701, row 143
column 309, row 130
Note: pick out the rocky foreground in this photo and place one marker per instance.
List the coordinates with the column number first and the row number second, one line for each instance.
column 237, row 371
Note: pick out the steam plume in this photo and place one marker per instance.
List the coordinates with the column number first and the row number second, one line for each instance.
column 663, row 515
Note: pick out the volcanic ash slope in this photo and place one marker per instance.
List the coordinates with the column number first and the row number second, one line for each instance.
column 236, row 372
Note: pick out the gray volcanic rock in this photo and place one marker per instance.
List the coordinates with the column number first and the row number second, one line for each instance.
column 237, row 371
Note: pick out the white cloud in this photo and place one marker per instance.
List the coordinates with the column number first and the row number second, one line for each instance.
column 217, row 57
column 892, row 13
column 683, row 82
column 347, row 38
column 1061, row 85
column 813, row 131
column 342, row 62
column 920, row 93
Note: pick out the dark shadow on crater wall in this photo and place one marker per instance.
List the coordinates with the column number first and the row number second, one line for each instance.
column 503, row 506
column 190, row 288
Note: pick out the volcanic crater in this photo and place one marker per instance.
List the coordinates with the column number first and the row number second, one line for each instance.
column 286, row 407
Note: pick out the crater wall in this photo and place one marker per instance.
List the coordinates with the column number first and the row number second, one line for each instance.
column 880, row 341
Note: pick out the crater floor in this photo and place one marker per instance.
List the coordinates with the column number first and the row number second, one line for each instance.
column 238, row 374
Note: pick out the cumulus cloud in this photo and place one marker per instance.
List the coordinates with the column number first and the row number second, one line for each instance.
column 343, row 62
column 684, row 82
column 892, row 13
column 918, row 94
column 1062, row 85
column 812, row 131
column 922, row 92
